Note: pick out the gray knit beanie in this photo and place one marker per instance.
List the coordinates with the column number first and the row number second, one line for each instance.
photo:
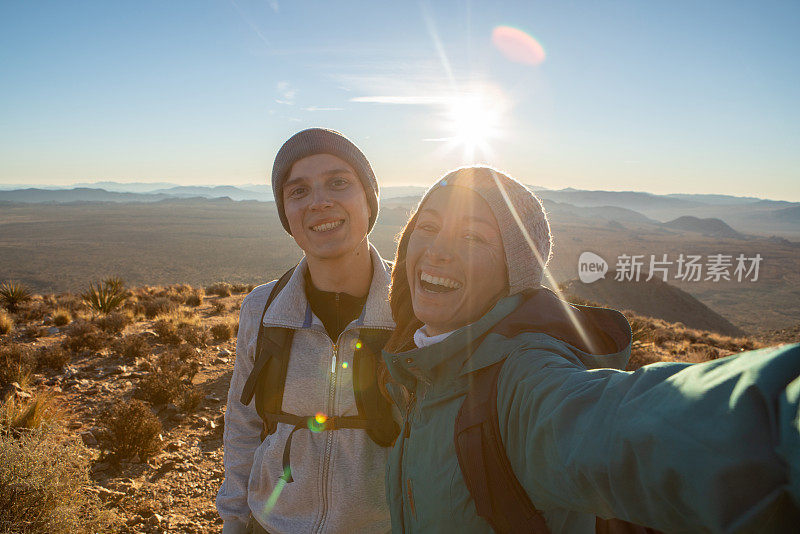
column 527, row 249
column 322, row 141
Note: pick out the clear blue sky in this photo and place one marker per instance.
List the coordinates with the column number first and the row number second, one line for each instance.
column 667, row 97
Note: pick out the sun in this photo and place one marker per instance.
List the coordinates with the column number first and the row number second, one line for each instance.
column 472, row 121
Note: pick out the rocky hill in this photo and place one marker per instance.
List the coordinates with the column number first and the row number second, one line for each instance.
column 708, row 227
column 654, row 298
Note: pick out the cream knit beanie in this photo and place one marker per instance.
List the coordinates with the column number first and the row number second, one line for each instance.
column 524, row 228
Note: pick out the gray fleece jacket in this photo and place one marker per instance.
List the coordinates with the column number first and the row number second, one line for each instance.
column 338, row 475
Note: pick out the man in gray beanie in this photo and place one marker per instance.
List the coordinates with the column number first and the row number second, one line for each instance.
column 312, row 458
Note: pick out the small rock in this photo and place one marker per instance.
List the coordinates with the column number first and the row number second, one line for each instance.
column 53, row 330
column 134, row 520
column 89, row 439
column 99, row 467
column 220, row 360
column 178, row 417
column 175, row 445
column 155, row 520
column 108, row 494
column 212, row 398
column 224, row 353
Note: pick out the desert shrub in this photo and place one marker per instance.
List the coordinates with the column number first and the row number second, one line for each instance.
column 153, row 307
column 242, row 288
column 218, row 308
column 70, row 302
column 167, row 332
column 131, row 428
column 174, row 329
column 12, row 294
column 53, row 357
column 34, row 332
column 220, row 289
column 61, row 317
column 223, row 331
column 194, row 298
column 190, row 399
column 114, row 322
column 16, row 364
column 131, row 347
column 106, row 296
column 17, row 416
column 35, row 311
column 169, row 379
column 6, row 323
column 83, row 335
column 44, row 486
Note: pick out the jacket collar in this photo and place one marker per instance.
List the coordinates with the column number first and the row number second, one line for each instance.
column 446, row 357
column 602, row 338
column 290, row 309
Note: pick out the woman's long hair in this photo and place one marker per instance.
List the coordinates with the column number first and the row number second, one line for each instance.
column 406, row 323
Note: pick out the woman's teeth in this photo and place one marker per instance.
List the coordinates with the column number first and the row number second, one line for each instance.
column 327, row 226
column 438, row 284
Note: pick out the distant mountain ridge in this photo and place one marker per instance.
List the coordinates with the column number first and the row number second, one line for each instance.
column 742, row 215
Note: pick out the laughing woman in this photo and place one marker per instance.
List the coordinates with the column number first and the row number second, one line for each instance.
column 553, row 437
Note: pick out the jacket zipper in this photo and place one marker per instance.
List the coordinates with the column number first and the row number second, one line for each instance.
column 329, row 436
column 412, row 400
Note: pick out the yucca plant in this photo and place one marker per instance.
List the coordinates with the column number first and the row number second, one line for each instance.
column 12, row 294
column 105, row 297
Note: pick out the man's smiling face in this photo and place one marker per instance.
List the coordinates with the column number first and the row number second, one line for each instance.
column 325, row 204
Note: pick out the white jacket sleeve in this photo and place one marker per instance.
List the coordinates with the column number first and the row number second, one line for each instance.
column 242, row 423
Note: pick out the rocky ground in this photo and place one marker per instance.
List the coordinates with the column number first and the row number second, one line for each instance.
column 174, row 490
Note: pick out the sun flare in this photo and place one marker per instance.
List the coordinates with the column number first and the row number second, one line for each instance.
column 472, row 121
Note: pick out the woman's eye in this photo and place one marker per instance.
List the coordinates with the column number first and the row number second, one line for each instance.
column 297, row 192
column 474, row 237
column 427, row 227
column 340, row 183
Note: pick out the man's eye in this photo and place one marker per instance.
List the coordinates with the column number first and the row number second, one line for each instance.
column 427, row 227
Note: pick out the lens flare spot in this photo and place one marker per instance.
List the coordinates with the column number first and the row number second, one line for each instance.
column 320, row 418
column 358, row 344
column 517, row 45
column 273, row 498
column 344, row 365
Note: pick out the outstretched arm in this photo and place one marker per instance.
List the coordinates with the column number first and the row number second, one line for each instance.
column 705, row 447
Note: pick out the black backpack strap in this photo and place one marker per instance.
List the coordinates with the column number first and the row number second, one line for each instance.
column 371, row 404
column 499, row 497
column 275, row 344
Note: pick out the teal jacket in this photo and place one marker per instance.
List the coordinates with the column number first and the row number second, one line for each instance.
column 711, row 447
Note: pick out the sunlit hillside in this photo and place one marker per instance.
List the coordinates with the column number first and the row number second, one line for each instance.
column 114, row 398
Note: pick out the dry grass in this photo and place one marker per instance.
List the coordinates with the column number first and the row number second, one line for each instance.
column 16, row 364
column 62, row 317
column 38, row 411
column 44, row 486
column 6, row 322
